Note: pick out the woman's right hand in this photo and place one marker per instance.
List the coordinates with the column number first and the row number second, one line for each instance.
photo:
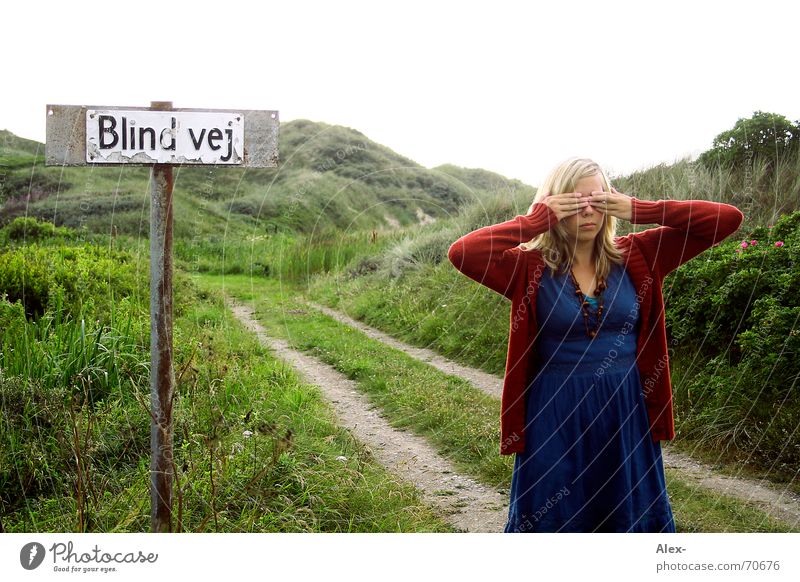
column 565, row 204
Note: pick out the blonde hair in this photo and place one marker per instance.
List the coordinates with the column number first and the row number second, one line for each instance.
column 554, row 243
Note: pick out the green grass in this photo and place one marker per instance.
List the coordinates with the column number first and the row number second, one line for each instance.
column 282, row 255
column 461, row 421
column 725, row 457
column 760, row 194
column 431, row 306
column 413, row 394
column 81, row 466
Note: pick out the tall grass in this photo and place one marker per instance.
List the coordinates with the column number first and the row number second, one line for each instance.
column 255, row 449
column 293, row 257
column 64, row 351
column 761, row 190
column 64, row 383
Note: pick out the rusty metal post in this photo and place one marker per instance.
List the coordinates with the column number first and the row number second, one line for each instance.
column 162, row 376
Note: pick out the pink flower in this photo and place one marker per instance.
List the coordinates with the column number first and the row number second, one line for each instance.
column 738, row 250
column 754, row 242
column 770, row 226
column 744, row 244
column 778, row 243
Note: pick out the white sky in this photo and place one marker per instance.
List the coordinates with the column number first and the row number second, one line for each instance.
column 512, row 87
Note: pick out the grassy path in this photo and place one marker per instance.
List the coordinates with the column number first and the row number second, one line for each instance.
column 488, row 383
column 257, row 449
column 457, row 419
column 468, row 505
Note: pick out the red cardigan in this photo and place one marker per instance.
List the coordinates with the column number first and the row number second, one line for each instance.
column 491, row 256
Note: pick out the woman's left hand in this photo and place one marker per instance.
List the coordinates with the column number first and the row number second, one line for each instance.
column 612, row 203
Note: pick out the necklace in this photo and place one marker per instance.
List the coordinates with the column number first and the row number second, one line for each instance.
column 601, row 286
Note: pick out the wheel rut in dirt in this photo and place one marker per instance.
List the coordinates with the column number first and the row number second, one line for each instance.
column 484, row 381
column 465, row 503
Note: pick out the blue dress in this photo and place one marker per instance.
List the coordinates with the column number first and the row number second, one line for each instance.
column 589, row 464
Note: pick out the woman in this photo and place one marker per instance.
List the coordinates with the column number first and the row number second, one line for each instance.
column 586, row 395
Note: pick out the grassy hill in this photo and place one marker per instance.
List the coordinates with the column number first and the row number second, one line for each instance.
column 12, row 145
column 330, row 178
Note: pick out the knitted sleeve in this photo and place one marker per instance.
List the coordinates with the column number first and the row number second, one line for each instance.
column 490, row 255
column 688, row 228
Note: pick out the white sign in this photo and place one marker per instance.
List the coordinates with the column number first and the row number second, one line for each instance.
column 134, row 136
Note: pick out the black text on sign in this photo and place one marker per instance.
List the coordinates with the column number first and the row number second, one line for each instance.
column 131, row 136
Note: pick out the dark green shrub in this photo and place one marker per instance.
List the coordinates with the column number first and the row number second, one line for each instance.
column 72, row 277
column 709, row 299
column 27, row 229
column 30, row 187
column 738, row 305
column 768, row 136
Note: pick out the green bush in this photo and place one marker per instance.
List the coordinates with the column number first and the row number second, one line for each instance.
column 767, row 136
column 771, row 344
column 738, row 305
column 709, row 300
column 72, row 277
column 27, row 229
